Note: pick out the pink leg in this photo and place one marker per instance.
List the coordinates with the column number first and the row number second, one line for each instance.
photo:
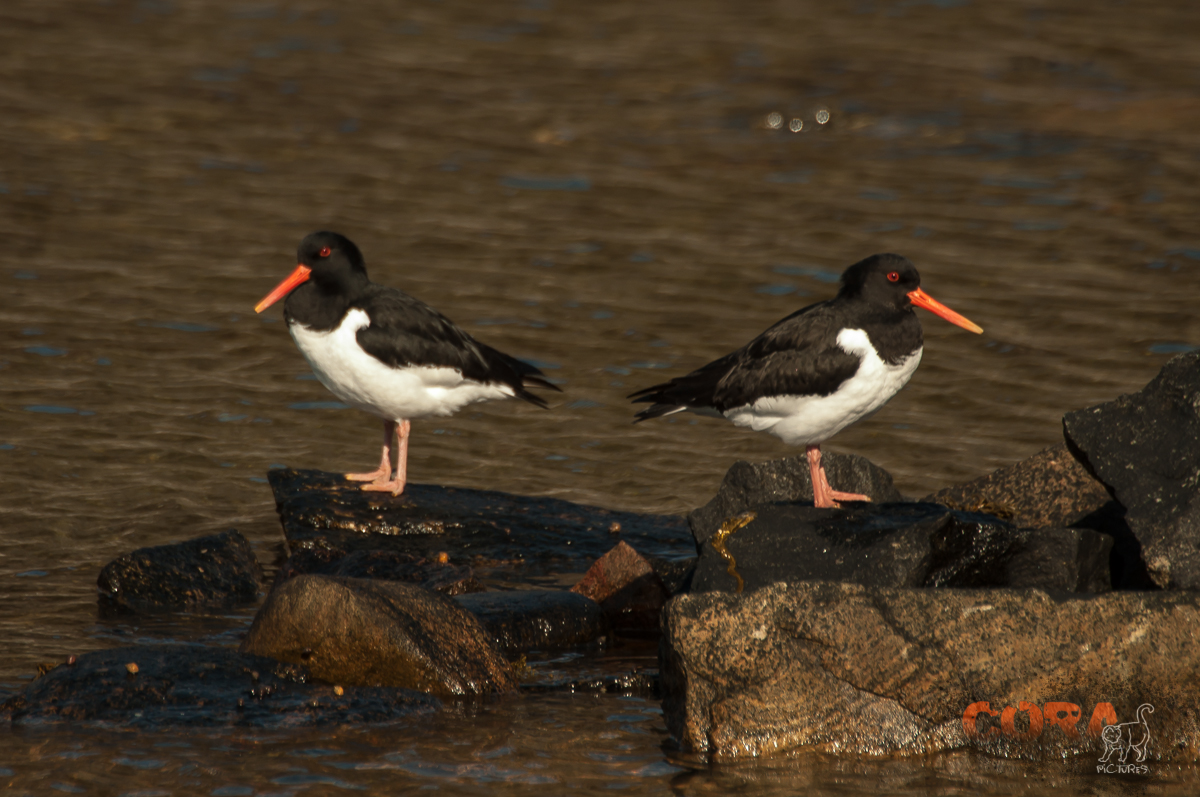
column 396, row 485
column 384, row 471
column 825, row 496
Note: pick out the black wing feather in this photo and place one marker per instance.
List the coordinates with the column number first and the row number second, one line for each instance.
column 406, row 331
column 798, row 356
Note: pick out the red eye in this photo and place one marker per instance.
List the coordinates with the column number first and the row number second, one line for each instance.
column 893, row 276
column 326, row 251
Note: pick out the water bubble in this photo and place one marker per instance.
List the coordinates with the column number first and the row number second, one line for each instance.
column 796, row 125
column 774, row 120
column 822, row 117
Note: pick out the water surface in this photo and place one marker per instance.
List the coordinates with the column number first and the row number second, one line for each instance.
column 600, row 188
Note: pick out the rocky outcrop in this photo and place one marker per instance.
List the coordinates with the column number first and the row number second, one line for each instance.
column 159, row 686
column 628, row 589
column 523, row 621
column 1048, row 490
column 845, row 668
column 499, row 535
column 206, row 572
column 1145, row 447
column 896, row 545
column 747, row 485
column 378, row 633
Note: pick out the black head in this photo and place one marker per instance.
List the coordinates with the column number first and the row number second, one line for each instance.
column 330, row 273
column 884, row 279
column 890, row 281
column 333, row 258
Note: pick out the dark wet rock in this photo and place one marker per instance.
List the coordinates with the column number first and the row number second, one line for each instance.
column 676, row 574
column 172, row 685
column 628, row 589
column 846, row 668
column 378, row 633
column 207, row 572
column 1145, row 447
column 534, row 619
column 497, row 534
column 319, row 558
column 897, row 545
column 1048, row 490
column 1069, row 560
column 787, row 481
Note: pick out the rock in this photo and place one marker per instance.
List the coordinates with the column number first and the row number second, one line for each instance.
column 846, row 668
column 787, row 480
column 206, row 572
column 1145, row 447
column 628, row 589
column 533, row 619
column 319, row 558
column 191, row 685
column 896, row 545
column 501, row 536
column 1069, row 560
column 676, row 574
column 378, row 633
column 1048, row 490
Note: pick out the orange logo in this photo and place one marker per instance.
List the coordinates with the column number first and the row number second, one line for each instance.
column 1064, row 716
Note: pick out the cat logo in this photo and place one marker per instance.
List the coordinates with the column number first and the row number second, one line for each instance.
column 1127, row 737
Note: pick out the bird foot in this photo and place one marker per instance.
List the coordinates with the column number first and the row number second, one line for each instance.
column 394, row 486
column 840, row 496
column 379, row 474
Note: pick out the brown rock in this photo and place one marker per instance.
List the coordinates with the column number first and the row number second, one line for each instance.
column 1050, row 489
column 378, row 633
column 841, row 667
column 627, row 588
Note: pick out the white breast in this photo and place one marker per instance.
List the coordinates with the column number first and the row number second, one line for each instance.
column 395, row 394
column 810, row 420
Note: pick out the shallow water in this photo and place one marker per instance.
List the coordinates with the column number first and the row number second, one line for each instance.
column 596, row 187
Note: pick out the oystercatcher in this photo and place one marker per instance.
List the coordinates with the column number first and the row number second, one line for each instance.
column 820, row 369
column 382, row 351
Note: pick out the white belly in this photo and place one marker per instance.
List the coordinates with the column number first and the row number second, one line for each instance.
column 811, row 420
column 394, row 394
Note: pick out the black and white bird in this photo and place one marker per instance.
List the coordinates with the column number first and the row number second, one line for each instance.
column 820, row 369
column 382, row 351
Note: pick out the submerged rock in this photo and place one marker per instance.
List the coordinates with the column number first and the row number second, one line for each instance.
column 787, row 480
column 1145, row 447
column 151, row 687
column 378, row 633
column 851, row 669
column 534, row 619
column 896, row 545
column 628, row 589
column 499, row 535
column 205, row 572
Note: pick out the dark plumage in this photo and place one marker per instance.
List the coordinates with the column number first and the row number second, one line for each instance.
column 821, row 368
column 387, row 353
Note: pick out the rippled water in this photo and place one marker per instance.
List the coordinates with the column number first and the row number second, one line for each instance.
column 595, row 187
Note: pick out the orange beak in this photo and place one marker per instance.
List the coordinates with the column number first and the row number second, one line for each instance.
column 922, row 299
column 284, row 288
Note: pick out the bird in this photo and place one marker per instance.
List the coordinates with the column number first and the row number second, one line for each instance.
column 387, row 353
column 818, row 370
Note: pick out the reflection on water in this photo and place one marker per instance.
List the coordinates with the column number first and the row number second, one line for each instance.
column 619, row 192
